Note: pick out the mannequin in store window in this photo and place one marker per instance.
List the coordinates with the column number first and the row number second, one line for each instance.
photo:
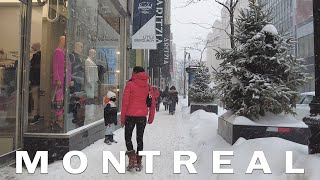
column 91, row 75
column 34, row 77
column 77, row 67
column 58, row 79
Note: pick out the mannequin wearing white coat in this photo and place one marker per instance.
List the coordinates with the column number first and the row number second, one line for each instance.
column 91, row 79
column 91, row 74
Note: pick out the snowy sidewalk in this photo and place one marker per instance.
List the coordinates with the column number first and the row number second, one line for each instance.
column 185, row 132
column 166, row 135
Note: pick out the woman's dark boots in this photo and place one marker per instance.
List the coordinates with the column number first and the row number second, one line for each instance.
column 139, row 163
column 107, row 139
column 132, row 160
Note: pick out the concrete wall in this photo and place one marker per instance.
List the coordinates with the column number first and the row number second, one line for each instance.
column 10, row 27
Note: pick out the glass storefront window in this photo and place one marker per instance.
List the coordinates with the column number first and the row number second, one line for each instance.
column 95, row 27
column 75, row 62
column 11, row 14
column 47, row 83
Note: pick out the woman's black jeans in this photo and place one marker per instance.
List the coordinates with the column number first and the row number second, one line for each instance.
column 131, row 122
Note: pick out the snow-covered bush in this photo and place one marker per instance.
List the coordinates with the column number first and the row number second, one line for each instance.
column 199, row 91
column 259, row 75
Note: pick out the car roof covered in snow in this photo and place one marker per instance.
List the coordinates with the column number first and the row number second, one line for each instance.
column 308, row 93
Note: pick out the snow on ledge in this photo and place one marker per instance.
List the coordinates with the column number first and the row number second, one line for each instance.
column 270, row 120
column 204, row 104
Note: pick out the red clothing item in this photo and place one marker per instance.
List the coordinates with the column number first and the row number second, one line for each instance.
column 135, row 97
column 156, row 94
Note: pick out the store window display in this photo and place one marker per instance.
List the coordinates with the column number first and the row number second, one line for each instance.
column 83, row 39
column 10, row 59
column 77, row 65
column 34, row 77
column 91, row 75
column 58, row 85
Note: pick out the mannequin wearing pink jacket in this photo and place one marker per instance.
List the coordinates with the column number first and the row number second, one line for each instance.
column 58, row 78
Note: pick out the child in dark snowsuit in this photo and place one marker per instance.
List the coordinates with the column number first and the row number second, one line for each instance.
column 110, row 117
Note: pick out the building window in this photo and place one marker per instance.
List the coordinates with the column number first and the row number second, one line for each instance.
column 306, row 46
column 79, row 63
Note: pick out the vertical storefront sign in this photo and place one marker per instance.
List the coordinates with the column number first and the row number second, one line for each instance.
column 156, row 56
column 144, row 24
column 166, row 51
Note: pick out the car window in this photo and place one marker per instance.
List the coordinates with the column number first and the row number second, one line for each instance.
column 307, row 100
column 301, row 98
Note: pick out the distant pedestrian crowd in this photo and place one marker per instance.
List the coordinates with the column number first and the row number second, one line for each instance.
column 169, row 98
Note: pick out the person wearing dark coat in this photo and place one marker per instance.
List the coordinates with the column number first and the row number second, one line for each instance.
column 34, row 78
column 110, row 117
column 165, row 98
column 172, row 100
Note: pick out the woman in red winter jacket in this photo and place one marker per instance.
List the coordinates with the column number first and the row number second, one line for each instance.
column 156, row 94
column 134, row 112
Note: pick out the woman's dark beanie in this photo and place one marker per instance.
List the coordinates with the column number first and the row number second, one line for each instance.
column 138, row 69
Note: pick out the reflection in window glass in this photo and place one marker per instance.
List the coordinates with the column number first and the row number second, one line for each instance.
column 9, row 57
column 307, row 100
column 47, row 67
column 94, row 42
column 73, row 73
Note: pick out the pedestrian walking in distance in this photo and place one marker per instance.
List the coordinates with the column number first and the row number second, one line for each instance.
column 134, row 113
column 173, row 100
column 165, row 98
column 157, row 97
column 110, row 117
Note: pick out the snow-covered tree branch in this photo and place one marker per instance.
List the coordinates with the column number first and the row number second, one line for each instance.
column 259, row 75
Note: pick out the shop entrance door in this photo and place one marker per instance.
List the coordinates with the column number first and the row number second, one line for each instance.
column 14, row 50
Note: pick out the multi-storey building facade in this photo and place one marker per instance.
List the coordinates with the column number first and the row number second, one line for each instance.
column 283, row 13
column 296, row 18
column 305, row 38
column 218, row 38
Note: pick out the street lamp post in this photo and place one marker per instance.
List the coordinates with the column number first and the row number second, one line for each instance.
column 313, row 121
column 184, row 72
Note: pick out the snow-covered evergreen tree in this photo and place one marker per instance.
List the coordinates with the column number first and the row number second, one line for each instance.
column 259, row 75
column 199, row 91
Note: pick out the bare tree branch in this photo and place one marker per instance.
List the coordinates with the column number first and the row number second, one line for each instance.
column 210, row 26
column 202, row 45
column 189, row 2
column 224, row 5
column 230, row 6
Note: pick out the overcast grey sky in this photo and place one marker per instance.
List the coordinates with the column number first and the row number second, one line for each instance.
column 184, row 33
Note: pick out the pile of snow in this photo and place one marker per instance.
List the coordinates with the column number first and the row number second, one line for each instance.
column 201, row 119
column 184, row 132
column 205, row 140
column 279, row 120
column 270, row 28
column 275, row 152
column 221, row 110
